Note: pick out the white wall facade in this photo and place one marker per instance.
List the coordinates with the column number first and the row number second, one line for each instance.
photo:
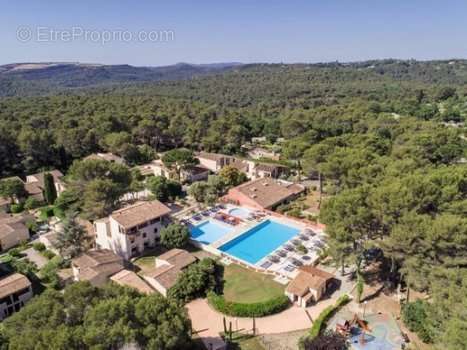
column 130, row 242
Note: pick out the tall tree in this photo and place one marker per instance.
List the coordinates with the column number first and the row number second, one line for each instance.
column 12, row 188
column 71, row 239
column 179, row 159
column 50, row 193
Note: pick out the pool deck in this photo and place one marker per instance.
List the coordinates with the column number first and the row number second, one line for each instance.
column 283, row 268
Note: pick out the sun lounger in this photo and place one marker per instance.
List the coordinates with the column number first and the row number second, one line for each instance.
column 274, row 258
column 289, row 268
column 282, row 253
column 297, row 262
column 289, row 248
column 266, row 264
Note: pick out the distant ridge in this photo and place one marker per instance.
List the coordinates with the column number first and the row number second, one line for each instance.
column 36, row 78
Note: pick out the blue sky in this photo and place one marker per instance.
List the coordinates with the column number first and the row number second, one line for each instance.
column 240, row 31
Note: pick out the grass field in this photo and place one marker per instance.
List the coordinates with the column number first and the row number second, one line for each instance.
column 246, row 286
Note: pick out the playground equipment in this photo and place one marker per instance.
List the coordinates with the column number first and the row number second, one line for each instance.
column 346, row 328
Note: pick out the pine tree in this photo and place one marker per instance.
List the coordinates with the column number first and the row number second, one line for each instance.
column 71, row 239
column 50, row 194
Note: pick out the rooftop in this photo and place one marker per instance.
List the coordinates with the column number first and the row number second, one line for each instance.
column 309, row 277
column 212, row 156
column 13, row 283
column 56, row 174
column 268, row 192
column 171, row 263
column 94, row 258
column 97, row 262
column 10, row 223
column 139, row 213
column 130, row 279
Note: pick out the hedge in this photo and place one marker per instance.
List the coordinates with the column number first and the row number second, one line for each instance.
column 265, row 308
column 324, row 316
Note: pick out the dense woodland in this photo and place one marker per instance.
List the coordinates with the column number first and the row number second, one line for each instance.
column 387, row 137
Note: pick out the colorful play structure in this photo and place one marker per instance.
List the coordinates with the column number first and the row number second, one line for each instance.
column 348, row 326
column 375, row 332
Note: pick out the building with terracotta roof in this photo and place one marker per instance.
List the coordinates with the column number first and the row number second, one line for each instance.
column 34, row 185
column 308, row 286
column 264, row 193
column 96, row 266
column 214, row 161
column 130, row 279
column 128, row 231
column 13, row 230
column 15, row 291
column 168, row 267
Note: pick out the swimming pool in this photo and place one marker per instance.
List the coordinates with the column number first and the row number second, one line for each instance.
column 209, row 231
column 241, row 213
column 259, row 241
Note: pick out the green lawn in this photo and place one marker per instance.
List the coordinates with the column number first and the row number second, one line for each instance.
column 246, row 286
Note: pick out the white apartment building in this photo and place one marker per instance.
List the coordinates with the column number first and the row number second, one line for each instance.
column 128, row 231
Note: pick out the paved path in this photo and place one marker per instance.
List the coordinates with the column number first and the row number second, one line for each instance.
column 35, row 257
column 208, row 323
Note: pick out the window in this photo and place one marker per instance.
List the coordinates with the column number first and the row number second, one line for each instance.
column 144, row 234
column 155, row 229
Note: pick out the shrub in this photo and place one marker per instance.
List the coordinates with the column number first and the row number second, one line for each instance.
column 327, row 341
column 415, row 318
column 265, row 308
column 302, row 249
column 15, row 252
column 174, row 236
column 32, row 203
column 48, row 254
column 40, row 247
column 32, row 225
column 197, row 280
column 46, row 212
column 320, row 322
column 16, row 208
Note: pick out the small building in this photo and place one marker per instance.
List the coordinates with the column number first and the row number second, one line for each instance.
column 109, row 157
column 262, row 170
column 214, row 161
column 35, row 184
column 264, row 193
column 260, row 152
column 13, row 230
column 96, row 266
column 128, row 231
column 168, row 266
column 15, row 291
column 308, row 286
column 158, row 168
column 130, row 279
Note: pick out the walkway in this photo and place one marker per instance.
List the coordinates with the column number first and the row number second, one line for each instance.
column 208, row 323
column 35, row 257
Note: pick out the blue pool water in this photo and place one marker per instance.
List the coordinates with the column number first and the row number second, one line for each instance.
column 209, row 231
column 240, row 212
column 256, row 243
